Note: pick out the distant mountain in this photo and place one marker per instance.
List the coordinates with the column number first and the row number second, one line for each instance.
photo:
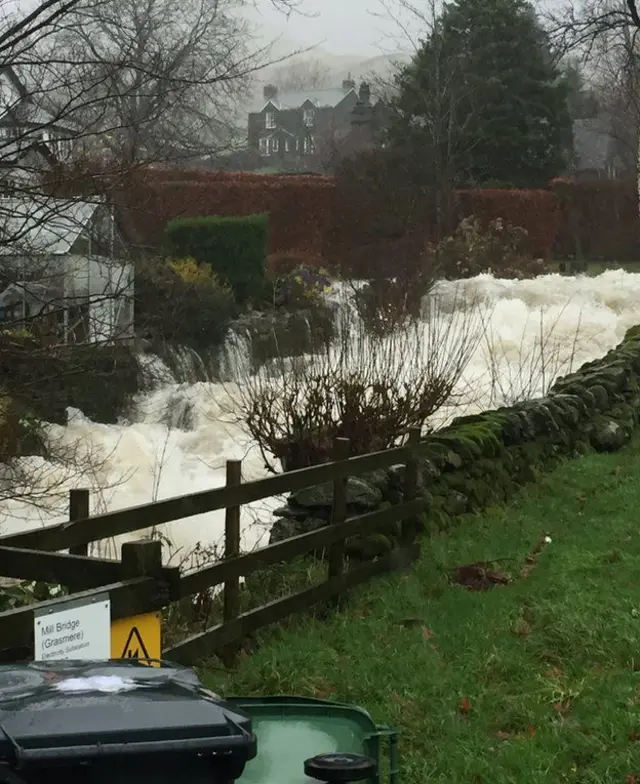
column 339, row 67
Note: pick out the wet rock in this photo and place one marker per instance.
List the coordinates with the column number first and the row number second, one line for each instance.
column 366, row 548
column 456, row 503
column 379, row 478
column 607, row 435
column 360, row 494
column 291, row 512
column 601, row 396
column 285, row 527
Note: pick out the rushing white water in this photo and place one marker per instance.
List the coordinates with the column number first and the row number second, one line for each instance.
column 179, row 436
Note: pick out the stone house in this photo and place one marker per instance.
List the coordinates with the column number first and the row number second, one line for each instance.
column 292, row 130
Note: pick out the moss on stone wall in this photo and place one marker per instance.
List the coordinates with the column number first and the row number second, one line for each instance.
column 481, row 460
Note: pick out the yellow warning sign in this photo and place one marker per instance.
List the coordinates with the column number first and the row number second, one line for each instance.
column 137, row 637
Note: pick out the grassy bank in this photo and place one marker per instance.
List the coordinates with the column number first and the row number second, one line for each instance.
column 534, row 681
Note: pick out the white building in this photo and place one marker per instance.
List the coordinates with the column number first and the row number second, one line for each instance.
column 63, row 271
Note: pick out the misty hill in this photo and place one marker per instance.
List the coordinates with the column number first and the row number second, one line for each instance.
column 338, row 67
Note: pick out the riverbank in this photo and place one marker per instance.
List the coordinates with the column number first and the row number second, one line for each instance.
column 532, row 681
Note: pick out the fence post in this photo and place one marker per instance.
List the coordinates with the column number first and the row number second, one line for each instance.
column 231, row 550
column 341, row 448
column 411, row 483
column 78, row 510
column 142, row 558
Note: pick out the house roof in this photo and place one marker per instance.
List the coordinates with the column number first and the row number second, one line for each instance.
column 592, row 143
column 49, row 226
column 327, row 98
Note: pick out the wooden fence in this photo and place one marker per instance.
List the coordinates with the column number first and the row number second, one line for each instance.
column 139, row 583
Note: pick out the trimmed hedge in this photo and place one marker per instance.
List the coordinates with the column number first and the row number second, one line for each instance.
column 234, row 247
column 298, row 207
column 483, row 459
column 371, row 234
column 599, row 220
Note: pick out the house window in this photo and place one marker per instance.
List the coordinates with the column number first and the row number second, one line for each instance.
column 264, row 146
column 308, row 145
column 275, row 145
column 308, row 115
column 270, row 120
column 287, row 145
column 7, row 189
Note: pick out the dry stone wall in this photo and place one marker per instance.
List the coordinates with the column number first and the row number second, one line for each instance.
column 481, row 460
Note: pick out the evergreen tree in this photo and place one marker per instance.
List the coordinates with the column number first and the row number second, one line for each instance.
column 482, row 101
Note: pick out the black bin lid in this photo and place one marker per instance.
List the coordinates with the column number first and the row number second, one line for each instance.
column 74, row 712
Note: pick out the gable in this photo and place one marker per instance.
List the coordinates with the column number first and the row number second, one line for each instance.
column 41, row 225
column 99, row 236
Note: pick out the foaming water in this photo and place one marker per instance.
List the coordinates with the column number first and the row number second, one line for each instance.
column 180, row 435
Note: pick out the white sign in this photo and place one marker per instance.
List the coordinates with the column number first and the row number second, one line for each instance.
column 78, row 630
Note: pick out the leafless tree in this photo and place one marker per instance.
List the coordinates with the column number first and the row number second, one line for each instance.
column 581, row 28
column 166, row 80
column 440, row 118
column 604, row 34
column 616, row 80
column 62, row 272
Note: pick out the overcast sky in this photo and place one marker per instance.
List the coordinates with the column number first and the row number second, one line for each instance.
column 346, row 27
column 343, row 27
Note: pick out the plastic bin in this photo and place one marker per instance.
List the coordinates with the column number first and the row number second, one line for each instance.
column 117, row 723
column 291, row 730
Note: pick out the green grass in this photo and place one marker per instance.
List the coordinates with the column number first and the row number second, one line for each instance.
column 538, row 681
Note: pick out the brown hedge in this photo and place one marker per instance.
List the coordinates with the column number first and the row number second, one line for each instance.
column 599, row 220
column 298, row 211
column 311, row 216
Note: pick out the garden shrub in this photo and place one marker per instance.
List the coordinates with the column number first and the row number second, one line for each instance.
column 535, row 211
column 303, row 287
column 280, row 264
column 361, row 387
column 473, row 249
column 192, row 272
column 234, row 247
column 182, row 302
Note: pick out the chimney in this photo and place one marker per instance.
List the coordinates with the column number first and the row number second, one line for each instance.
column 364, row 94
column 269, row 91
column 348, row 84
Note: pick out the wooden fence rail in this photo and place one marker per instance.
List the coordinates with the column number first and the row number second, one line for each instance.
column 124, row 521
column 139, row 583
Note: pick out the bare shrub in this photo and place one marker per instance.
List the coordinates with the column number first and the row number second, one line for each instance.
column 363, row 387
column 498, row 248
column 385, row 305
column 527, row 369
